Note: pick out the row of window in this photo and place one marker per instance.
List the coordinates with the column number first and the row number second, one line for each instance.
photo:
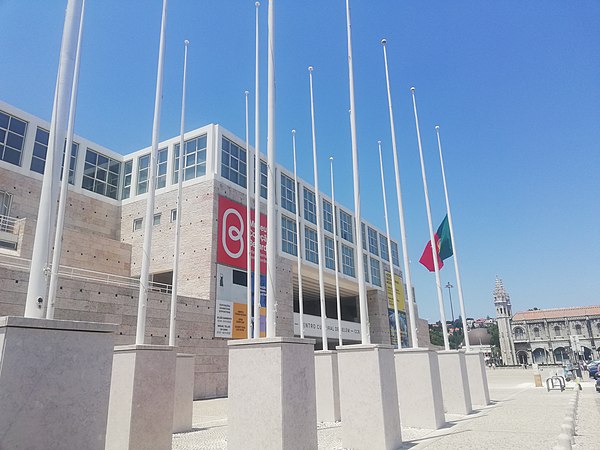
column 137, row 223
column 520, row 333
column 234, row 166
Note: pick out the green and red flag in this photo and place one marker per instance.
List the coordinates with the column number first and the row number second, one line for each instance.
column 443, row 243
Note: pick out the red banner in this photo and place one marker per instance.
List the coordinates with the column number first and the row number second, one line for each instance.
column 233, row 237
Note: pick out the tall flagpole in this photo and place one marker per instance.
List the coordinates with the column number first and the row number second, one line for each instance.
column 146, row 249
column 37, row 286
column 431, row 236
column 335, row 253
column 257, row 233
column 458, row 284
column 405, row 261
column 389, row 244
column 318, row 208
column 64, row 186
column 299, row 240
column 365, row 332
column 271, row 213
column 173, row 318
column 248, row 234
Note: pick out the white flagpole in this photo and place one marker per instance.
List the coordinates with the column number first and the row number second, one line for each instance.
column 389, row 244
column 299, row 240
column 37, row 286
column 365, row 332
column 64, row 186
column 335, row 242
column 173, row 318
column 406, row 264
column 458, row 284
column 147, row 247
column 271, row 213
column 257, row 244
column 318, row 208
column 248, row 234
column 431, row 236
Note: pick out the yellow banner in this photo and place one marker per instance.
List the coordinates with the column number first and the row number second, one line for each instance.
column 399, row 291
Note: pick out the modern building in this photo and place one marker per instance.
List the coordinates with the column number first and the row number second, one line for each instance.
column 102, row 245
column 546, row 336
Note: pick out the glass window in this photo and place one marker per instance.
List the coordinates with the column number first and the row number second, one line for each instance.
column 327, row 216
column 289, row 239
column 288, row 194
column 395, row 256
column 519, row 333
column 364, row 236
column 557, row 331
column 194, row 161
column 143, row 174
column 366, row 267
column 348, row 261
column 536, row 332
column 311, row 246
column 127, row 169
column 101, row 174
column 329, row 253
column 137, row 224
column 12, row 137
column 72, row 162
column 346, row 231
column 161, row 169
column 578, row 329
column 40, row 152
column 373, row 247
column 156, row 219
column 383, row 246
column 174, row 215
column 233, row 162
column 5, row 202
column 375, row 272
column 310, row 210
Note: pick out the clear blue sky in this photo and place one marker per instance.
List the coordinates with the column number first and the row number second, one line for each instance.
column 515, row 87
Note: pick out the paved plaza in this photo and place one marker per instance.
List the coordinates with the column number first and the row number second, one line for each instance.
column 520, row 417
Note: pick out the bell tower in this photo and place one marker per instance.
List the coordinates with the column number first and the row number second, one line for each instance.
column 503, row 316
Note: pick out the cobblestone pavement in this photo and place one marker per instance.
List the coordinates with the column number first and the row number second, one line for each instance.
column 520, row 417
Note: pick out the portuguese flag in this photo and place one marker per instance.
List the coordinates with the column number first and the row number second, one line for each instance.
column 443, row 243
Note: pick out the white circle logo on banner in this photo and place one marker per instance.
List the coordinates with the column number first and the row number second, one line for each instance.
column 232, row 233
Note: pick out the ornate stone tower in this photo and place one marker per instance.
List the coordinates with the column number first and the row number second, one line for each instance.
column 504, row 315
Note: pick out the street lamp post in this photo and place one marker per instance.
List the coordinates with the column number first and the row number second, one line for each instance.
column 450, row 286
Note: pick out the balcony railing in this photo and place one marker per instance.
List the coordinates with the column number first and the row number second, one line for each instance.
column 10, row 228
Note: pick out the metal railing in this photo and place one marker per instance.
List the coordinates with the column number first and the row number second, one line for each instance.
column 9, row 224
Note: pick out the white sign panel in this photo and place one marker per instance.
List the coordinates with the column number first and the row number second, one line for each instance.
column 223, row 318
column 312, row 328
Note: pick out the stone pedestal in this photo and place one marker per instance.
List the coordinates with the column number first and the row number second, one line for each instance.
column 54, row 383
column 327, row 386
column 419, row 388
column 368, row 397
column 272, row 403
column 455, row 382
column 142, row 395
column 478, row 385
column 184, row 393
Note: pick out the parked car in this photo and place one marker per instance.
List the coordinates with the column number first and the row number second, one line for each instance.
column 593, row 368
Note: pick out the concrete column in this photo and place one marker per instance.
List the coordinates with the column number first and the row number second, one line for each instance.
column 184, row 392
column 455, row 382
column 327, row 386
column 54, row 383
column 368, row 397
column 274, row 378
column 142, row 395
column 478, row 385
column 419, row 388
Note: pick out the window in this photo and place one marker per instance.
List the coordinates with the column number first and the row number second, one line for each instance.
column 174, row 215
column 327, row 216
column 329, row 253
column 348, row 261
column 519, row 333
column 289, row 237
column 346, row 231
column 40, row 152
column 127, row 169
column 557, row 331
column 5, row 202
column 161, row 168
column 12, row 137
column 288, row 194
column 366, row 267
column 156, row 219
column 311, row 246
column 194, row 161
column 137, row 224
column 310, row 210
column 263, row 179
column 578, row 329
column 395, row 256
column 383, row 246
column 101, row 174
column 143, row 174
column 240, row 278
column 233, row 162
column 364, row 236
column 72, row 162
column 373, row 247
column 375, row 272
column 536, row 332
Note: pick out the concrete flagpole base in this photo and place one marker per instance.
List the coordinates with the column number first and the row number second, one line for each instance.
column 327, row 386
column 421, row 404
column 455, row 382
column 478, row 384
column 184, row 392
column 54, row 383
column 142, row 395
column 369, row 397
column 272, row 402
